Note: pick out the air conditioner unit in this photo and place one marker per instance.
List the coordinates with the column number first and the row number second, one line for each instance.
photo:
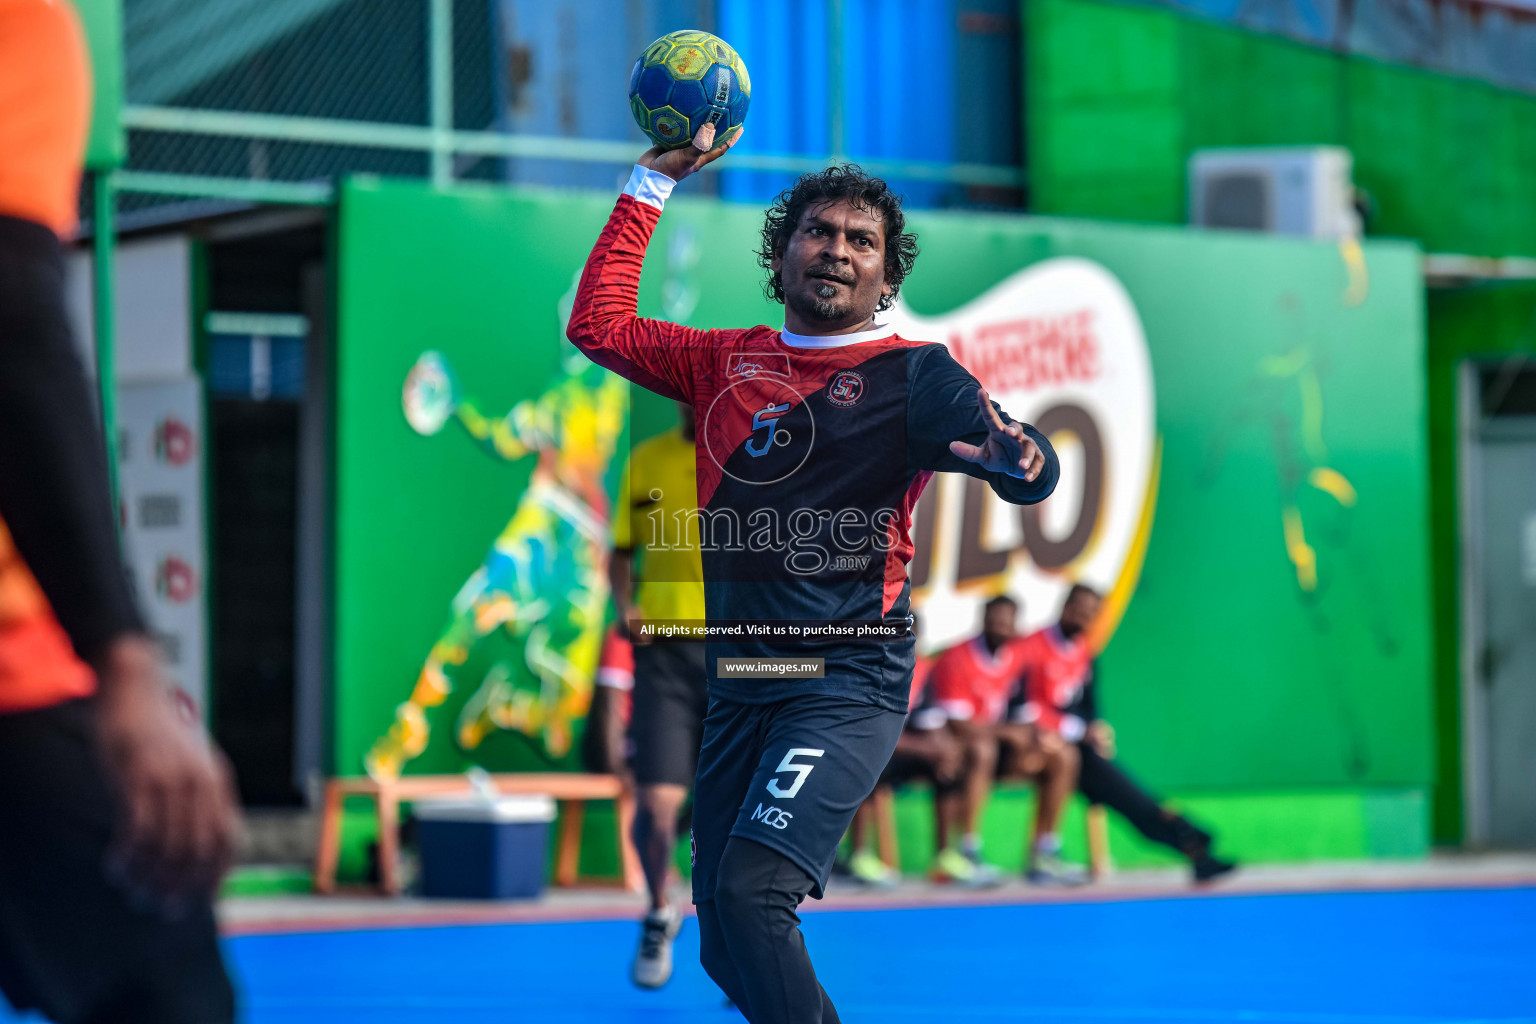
column 1304, row 191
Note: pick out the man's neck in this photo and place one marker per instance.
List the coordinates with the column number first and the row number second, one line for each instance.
column 818, row 329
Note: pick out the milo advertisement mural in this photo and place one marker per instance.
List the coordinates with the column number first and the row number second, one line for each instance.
column 1241, row 437
column 1059, row 345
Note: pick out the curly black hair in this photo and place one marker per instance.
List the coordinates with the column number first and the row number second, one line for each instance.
column 840, row 181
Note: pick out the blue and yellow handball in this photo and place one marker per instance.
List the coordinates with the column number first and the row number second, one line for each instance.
column 685, row 80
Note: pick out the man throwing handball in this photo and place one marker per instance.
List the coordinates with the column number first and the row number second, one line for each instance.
column 813, row 445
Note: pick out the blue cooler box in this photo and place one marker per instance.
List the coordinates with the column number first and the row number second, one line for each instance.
column 484, row 849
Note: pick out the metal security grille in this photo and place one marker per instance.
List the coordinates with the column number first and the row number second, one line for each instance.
column 251, row 100
column 270, row 100
column 1492, row 40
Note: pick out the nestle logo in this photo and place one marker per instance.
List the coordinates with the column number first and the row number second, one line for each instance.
column 754, row 364
column 1032, row 352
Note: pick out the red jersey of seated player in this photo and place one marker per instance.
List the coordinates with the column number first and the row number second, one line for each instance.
column 1054, row 671
column 922, row 669
column 973, row 684
column 616, row 670
column 812, row 452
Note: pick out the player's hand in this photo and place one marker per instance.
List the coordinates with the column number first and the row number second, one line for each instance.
column 1102, row 735
column 624, row 628
column 1007, row 448
column 677, row 164
column 1051, row 743
column 177, row 803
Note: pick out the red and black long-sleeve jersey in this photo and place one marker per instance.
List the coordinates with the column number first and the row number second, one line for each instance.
column 812, row 452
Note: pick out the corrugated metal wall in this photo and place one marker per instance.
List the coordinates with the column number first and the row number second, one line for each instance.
column 932, row 80
column 1118, row 96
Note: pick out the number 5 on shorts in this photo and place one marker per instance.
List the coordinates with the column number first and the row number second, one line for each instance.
column 800, row 770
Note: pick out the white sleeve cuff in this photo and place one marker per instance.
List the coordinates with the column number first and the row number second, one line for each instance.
column 929, row 718
column 958, row 710
column 1027, row 713
column 615, row 678
column 650, row 187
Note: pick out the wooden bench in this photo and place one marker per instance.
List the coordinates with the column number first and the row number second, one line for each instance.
column 1096, row 819
column 571, row 790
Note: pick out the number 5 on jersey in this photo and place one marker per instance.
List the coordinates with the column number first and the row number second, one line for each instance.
column 800, row 770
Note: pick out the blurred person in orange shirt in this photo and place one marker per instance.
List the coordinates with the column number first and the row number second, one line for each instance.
column 1057, row 696
column 118, row 815
column 973, row 683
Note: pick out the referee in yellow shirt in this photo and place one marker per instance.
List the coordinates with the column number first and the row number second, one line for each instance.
column 655, row 573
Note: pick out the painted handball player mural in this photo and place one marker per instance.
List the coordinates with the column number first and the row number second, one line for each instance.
column 1336, row 580
column 543, row 581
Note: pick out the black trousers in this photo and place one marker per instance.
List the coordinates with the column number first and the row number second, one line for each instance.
column 72, row 944
column 1103, row 782
column 764, row 967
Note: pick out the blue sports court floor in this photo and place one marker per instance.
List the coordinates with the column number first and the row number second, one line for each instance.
column 1395, row 957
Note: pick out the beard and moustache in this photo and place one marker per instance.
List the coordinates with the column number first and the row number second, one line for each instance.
column 823, row 305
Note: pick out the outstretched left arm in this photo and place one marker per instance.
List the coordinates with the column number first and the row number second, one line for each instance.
column 430, row 399
column 953, row 426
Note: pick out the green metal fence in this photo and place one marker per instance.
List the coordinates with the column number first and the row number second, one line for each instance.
column 269, row 101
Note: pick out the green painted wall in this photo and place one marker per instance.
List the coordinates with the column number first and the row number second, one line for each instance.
column 416, row 515
column 1117, row 97
column 1224, row 677
column 1225, row 674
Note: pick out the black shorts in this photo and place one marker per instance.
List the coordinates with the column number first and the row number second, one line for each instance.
column 667, row 712
column 905, row 768
column 788, row 775
column 71, row 945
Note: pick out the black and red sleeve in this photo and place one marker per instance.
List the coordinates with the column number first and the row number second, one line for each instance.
column 942, row 407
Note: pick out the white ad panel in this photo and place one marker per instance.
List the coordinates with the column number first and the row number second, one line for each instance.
column 160, row 440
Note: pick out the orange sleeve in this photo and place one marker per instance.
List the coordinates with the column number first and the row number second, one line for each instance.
column 38, row 666
column 45, row 111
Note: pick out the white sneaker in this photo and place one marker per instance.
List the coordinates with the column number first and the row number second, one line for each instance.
column 1050, row 871
column 653, row 960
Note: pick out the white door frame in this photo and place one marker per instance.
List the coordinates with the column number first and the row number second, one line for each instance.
column 1473, row 633
column 1474, row 430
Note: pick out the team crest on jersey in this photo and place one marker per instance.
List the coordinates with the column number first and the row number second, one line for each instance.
column 846, row 389
column 753, row 364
